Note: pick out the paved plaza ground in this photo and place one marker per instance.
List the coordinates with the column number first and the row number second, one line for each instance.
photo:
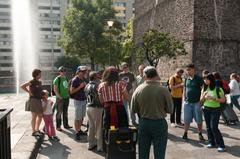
column 68, row 148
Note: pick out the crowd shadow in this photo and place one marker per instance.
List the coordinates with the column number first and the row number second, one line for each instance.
column 48, row 149
column 233, row 150
column 72, row 134
column 178, row 139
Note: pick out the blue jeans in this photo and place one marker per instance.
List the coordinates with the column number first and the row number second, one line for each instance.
column 234, row 101
column 192, row 110
column 212, row 120
column 152, row 131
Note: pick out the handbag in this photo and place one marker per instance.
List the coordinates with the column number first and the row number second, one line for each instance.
column 27, row 106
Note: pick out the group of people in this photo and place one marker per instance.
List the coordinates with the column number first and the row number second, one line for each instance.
column 117, row 99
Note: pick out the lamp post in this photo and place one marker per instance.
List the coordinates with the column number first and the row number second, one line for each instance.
column 110, row 24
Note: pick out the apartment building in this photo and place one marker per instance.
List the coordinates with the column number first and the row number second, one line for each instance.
column 124, row 10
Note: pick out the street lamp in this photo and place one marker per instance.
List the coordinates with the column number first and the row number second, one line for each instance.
column 110, row 24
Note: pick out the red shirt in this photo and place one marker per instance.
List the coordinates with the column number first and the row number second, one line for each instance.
column 112, row 93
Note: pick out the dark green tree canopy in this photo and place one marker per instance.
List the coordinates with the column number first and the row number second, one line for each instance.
column 158, row 44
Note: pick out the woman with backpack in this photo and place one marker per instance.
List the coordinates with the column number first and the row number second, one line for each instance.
column 112, row 93
column 212, row 97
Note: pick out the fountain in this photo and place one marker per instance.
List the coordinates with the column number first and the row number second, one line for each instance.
column 24, row 26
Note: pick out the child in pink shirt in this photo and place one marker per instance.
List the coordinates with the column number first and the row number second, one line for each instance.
column 48, row 116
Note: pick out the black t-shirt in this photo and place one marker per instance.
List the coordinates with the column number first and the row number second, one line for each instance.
column 36, row 88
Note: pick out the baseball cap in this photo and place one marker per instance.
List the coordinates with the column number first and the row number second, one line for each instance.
column 61, row 69
column 81, row 68
column 124, row 64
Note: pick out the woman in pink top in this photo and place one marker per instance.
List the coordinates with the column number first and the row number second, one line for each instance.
column 112, row 91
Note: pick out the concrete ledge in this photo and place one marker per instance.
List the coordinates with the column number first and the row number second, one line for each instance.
column 27, row 147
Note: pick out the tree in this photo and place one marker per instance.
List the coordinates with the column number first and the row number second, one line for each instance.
column 84, row 27
column 69, row 62
column 157, row 44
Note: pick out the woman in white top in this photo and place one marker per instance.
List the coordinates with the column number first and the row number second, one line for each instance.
column 234, row 90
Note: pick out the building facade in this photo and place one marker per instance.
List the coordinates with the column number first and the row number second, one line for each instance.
column 124, row 10
column 6, row 46
column 208, row 28
column 49, row 15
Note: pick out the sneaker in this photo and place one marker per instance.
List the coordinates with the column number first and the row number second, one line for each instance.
column 210, row 146
column 185, row 136
column 36, row 133
column 67, row 127
column 201, row 138
column 221, row 149
column 82, row 132
column 78, row 136
column 59, row 129
column 55, row 138
column 180, row 124
column 173, row 125
column 50, row 138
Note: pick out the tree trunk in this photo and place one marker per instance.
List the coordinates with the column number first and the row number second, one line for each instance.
column 92, row 63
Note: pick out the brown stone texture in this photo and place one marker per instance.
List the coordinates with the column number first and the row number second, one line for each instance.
column 209, row 29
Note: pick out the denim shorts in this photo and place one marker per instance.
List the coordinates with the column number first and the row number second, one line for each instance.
column 80, row 109
column 192, row 110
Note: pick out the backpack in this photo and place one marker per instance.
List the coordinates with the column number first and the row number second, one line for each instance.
column 168, row 83
column 92, row 95
column 225, row 87
column 52, row 87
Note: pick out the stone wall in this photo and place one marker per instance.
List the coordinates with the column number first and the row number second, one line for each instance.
column 210, row 30
column 172, row 16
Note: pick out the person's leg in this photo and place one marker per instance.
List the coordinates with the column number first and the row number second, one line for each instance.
column 46, row 121
column 234, row 101
column 122, row 116
column 38, row 122
column 144, row 139
column 178, row 110
column 59, row 108
column 160, row 137
column 198, row 119
column 91, row 132
column 172, row 116
column 33, row 121
column 188, row 116
column 51, row 126
column 65, row 112
column 77, row 116
column 98, row 128
column 214, row 126
column 208, row 118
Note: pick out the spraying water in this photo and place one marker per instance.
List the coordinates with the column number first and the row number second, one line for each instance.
column 23, row 22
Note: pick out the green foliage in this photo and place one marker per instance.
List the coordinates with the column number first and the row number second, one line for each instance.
column 157, row 44
column 67, row 61
column 85, row 32
column 128, row 44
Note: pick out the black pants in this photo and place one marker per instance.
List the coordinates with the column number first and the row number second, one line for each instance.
column 176, row 111
column 62, row 112
column 212, row 117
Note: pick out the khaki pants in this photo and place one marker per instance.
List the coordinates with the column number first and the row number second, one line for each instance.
column 95, row 127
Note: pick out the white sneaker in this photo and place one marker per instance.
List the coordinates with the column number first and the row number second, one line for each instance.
column 173, row 125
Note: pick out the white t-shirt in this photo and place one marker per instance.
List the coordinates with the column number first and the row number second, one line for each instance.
column 234, row 88
column 48, row 110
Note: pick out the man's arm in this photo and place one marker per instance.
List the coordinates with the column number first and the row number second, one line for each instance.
column 134, row 107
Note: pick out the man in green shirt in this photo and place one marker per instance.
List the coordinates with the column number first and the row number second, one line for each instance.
column 62, row 98
column 152, row 102
column 191, row 95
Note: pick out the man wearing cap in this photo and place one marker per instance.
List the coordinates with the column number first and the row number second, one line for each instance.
column 62, row 98
column 152, row 102
column 77, row 89
column 129, row 80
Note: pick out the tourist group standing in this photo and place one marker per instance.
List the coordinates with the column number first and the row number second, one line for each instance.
column 114, row 98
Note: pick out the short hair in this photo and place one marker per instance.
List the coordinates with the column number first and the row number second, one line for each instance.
column 233, row 75
column 179, row 70
column 35, row 73
column 217, row 75
column 150, row 72
column 190, row 66
column 92, row 75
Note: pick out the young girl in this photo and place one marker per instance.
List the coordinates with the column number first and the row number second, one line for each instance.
column 48, row 116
